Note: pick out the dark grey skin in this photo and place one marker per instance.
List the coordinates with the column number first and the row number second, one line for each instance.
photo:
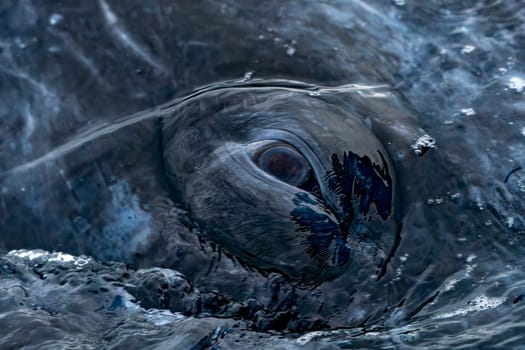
column 181, row 189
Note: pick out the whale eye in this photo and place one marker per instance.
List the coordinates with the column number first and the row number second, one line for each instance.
column 286, row 164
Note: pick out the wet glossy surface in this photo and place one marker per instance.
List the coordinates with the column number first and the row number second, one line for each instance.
column 128, row 135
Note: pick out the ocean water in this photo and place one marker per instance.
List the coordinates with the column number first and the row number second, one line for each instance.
column 84, row 87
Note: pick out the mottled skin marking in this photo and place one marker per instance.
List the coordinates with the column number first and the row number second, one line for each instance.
column 355, row 179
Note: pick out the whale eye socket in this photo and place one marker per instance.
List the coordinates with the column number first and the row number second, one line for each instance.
column 286, row 164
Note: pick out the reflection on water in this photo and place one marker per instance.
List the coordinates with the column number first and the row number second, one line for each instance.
column 81, row 107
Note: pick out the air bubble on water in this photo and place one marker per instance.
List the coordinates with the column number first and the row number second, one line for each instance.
column 483, row 302
column 80, row 261
column 509, row 221
column 54, row 49
column 40, row 257
column 55, row 19
column 290, row 48
column 516, row 83
column 399, row 2
column 502, row 70
column 247, row 76
column 20, row 43
column 28, row 254
column 455, row 195
column 468, row 111
column 314, row 93
column 471, row 258
column 467, row 49
column 435, row 201
column 423, row 144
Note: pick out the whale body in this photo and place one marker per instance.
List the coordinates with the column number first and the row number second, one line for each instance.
column 266, row 156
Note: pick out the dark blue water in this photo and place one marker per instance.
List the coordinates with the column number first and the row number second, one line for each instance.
column 75, row 79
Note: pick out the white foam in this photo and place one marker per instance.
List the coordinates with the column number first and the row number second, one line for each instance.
column 517, row 84
column 480, row 303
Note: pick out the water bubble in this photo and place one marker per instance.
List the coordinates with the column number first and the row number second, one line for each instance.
column 290, row 48
column 435, row 201
column 467, row 49
column 20, row 43
column 399, row 2
column 81, row 261
column 455, row 195
column 54, row 49
column 516, row 83
column 247, row 76
column 468, row 111
column 55, row 19
column 423, row 144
